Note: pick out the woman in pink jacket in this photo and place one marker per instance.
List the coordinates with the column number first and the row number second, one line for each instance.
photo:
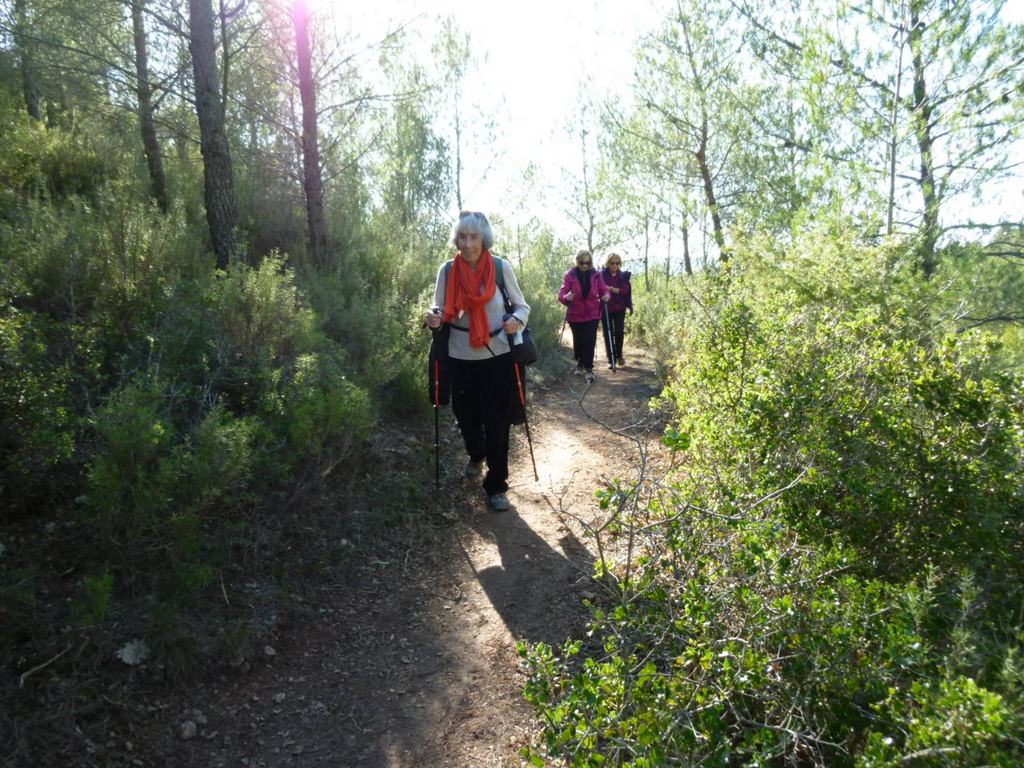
column 582, row 292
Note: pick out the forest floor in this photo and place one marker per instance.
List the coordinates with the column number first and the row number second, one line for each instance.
column 408, row 657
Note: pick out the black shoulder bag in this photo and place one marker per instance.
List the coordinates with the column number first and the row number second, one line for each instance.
column 525, row 352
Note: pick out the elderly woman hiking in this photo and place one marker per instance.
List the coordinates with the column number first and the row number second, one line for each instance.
column 582, row 292
column 466, row 297
column 617, row 280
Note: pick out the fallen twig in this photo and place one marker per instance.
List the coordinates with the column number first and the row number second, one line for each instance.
column 21, row 681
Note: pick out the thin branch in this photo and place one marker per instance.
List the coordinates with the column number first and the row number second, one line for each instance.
column 44, row 665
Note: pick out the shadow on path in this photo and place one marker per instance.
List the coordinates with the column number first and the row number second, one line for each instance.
column 536, row 588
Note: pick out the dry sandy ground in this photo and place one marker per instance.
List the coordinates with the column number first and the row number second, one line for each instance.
column 414, row 662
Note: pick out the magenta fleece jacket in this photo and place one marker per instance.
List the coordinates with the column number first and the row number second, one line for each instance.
column 580, row 309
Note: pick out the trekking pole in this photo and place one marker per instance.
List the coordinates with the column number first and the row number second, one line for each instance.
column 608, row 333
column 561, row 333
column 437, row 431
column 435, row 396
column 522, row 400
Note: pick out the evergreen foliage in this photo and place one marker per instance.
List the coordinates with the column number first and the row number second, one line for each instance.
column 831, row 575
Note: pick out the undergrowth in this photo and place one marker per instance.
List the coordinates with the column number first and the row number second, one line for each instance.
column 830, row 576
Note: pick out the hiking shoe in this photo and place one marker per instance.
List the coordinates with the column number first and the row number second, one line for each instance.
column 474, row 469
column 578, row 371
column 621, row 362
column 590, row 377
column 499, row 502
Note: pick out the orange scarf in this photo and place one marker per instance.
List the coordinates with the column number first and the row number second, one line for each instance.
column 469, row 291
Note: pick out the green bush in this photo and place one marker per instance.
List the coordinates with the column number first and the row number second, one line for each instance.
column 325, row 415
column 51, row 162
column 370, row 329
column 371, row 312
column 36, row 427
column 260, row 327
column 946, row 724
column 94, row 605
column 131, row 480
column 662, row 320
column 546, row 314
column 732, row 642
column 151, row 485
column 832, row 576
column 216, row 463
column 99, row 278
column 20, row 621
column 901, row 438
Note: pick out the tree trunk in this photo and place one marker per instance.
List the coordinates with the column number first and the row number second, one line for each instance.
column 893, row 127
column 29, row 88
column 922, row 112
column 458, row 160
column 154, row 158
column 647, row 252
column 587, row 206
column 225, row 58
column 312, row 182
column 668, row 250
column 218, row 186
column 709, row 194
column 686, row 249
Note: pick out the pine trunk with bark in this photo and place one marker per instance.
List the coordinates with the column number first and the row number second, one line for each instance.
column 686, row 249
column 647, row 253
column 144, row 91
column 312, row 182
column 29, row 88
column 922, row 111
column 218, row 180
column 709, row 193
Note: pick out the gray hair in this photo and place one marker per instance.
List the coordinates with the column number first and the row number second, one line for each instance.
column 474, row 220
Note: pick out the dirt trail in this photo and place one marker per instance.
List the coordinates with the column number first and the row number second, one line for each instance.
column 414, row 663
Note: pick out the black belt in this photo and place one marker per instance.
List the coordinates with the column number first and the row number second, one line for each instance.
column 466, row 330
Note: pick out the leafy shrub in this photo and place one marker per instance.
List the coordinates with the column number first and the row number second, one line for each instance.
column 662, row 320
column 736, row 645
column 901, row 439
column 47, row 161
column 371, row 329
column 948, row 723
column 260, row 326
column 259, row 312
column 732, row 642
column 36, row 428
column 131, row 479
column 94, row 605
column 149, row 484
column 546, row 314
column 97, row 278
column 832, row 576
column 326, row 415
column 216, row 464
column 19, row 604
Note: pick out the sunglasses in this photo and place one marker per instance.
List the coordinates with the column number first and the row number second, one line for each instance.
column 584, row 263
column 478, row 215
column 614, row 262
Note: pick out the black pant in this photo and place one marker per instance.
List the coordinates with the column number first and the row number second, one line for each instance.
column 584, row 339
column 618, row 331
column 481, row 401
